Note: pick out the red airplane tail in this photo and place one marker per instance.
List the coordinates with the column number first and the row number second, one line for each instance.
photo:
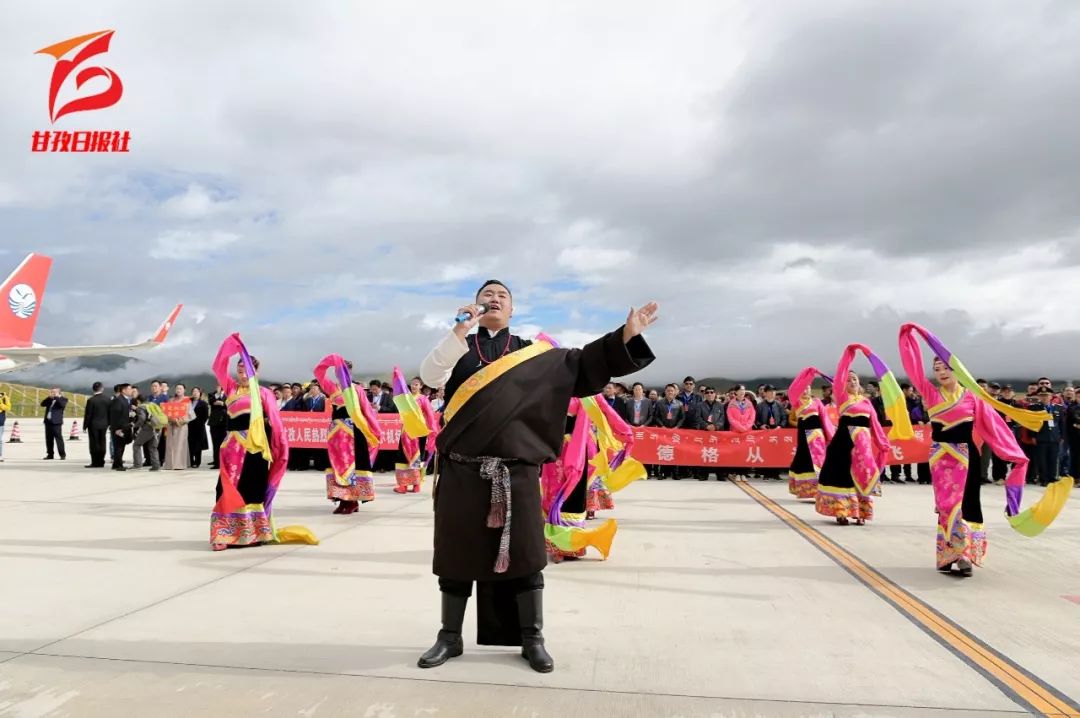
column 20, row 301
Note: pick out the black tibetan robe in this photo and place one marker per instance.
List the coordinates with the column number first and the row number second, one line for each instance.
column 512, row 409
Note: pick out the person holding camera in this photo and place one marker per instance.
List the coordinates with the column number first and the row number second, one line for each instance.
column 54, row 405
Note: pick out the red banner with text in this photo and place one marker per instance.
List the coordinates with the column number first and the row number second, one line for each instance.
column 767, row 449
column 305, row 430
column 680, row 447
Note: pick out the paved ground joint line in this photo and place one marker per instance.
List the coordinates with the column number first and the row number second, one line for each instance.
column 1018, row 684
column 651, row 694
column 190, row 589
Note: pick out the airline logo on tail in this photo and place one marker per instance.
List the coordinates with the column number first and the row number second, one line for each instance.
column 25, row 290
column 22, row 301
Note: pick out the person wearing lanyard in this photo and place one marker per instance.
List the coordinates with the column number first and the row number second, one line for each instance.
column 770, row 416
column 709, row 416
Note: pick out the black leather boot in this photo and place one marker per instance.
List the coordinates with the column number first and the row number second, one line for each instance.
column 531, row 617
column 448, row 644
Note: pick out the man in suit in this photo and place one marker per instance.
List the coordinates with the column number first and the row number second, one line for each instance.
column 708, row 415
column 669, row 413
column 316, row 402
column 96, row 423
column 285, row 396
column 381, row 401
column 296, row 402
column 638, row 411
column 611, row 396
column 771, row 416
column 54, row 405
column 120, row 424
column 638, row 408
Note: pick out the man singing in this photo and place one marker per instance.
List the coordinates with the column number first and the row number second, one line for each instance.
column 505, row 412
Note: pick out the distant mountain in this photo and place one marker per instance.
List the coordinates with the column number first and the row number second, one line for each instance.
column 205, row 381
column 105, row 363
column 77, row 373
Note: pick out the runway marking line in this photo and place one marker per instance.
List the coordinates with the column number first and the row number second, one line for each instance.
column 1025, row 689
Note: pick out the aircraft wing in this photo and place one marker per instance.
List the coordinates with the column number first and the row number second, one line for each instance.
column 43, row 354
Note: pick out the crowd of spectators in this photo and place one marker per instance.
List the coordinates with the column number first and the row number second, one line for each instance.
column 125, row 419
column 1053, row 451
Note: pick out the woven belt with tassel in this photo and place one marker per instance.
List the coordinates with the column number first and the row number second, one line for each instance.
column 495, row 470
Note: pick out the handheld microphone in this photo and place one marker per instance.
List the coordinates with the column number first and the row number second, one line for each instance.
column 466, row 316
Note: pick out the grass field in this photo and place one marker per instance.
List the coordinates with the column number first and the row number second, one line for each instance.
column 26, row 401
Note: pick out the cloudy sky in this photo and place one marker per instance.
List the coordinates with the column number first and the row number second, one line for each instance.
column 784, row 178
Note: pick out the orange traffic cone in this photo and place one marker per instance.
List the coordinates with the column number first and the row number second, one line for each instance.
column 74, row 435
column 16, row 434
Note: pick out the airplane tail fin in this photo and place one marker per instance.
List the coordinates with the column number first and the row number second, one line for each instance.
column 163, row 330
column 22, row 293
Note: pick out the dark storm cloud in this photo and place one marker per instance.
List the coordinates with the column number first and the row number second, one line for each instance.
column 907, row 127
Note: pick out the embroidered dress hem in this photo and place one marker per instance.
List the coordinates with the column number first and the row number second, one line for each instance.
column 599, row 499
column 566, row 518
column 556, row 555
column 843, row 503
column 803, row 486
column 242, row 528
column 408, row 478
column 360, row 487
column 968, row 541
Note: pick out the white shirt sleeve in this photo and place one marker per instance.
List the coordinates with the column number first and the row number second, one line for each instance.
column 439, row 363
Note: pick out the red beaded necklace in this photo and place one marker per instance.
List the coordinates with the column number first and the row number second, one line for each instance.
column 506, row 349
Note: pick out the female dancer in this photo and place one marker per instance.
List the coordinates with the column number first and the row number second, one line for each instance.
column 354, row 437
column 959, row 410
column 253, row 457
column 814, row 431
column 419, row 429
column 597, row 497
column 851, row 470
column 593, row 447
column 614, row 439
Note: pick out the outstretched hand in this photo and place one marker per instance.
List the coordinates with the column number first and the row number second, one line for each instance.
column 638, row 320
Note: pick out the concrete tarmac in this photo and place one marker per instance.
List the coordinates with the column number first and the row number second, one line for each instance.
column 709, row 605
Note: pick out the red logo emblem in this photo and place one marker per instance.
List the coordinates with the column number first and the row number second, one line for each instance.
column 96, row 43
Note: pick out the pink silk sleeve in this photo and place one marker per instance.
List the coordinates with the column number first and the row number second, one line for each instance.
column 432, row 422
column 369, row 413
column 800, row 383
column 229, row 348
column 279, row 445
column 882, row 447
column 619, row 427
column 549, row 484
column 994, row 431
column 826, row 420
column 574, row 459
column 328, row 379
column 839, row 383
column 912, row 359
